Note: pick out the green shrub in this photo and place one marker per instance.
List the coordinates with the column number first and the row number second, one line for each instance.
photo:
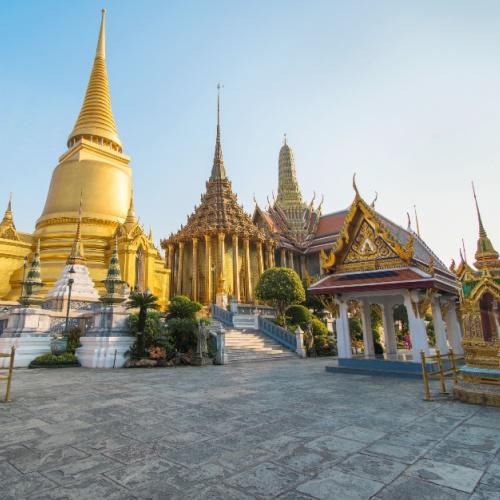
column 50, row 359
column 155, row 334
column 183, row 332
column 299, row 315
column 183, row 307
column 318, row 328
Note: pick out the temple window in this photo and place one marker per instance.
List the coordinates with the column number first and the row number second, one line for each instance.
column 489, row 308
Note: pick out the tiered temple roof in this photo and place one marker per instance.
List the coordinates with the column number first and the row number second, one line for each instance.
column 219, row 210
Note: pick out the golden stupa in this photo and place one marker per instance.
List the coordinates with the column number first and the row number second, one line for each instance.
column 94, row 169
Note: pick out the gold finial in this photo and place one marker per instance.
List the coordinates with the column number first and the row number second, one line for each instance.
column 96, row 118
column 372, row 205
column 354, row 186
column 284, row 139
column 409, row 221
column 218, row 170
column 416, row 220
column 101, row 42
column 9, row 205
column 464, row 258
column 131, row 217
column 482, row 231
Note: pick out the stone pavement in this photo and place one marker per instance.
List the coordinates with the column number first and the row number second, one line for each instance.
column 284, row 429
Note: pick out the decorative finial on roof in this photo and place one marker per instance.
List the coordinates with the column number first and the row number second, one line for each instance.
column 131, row 217
column 354, row 186
column 284, row 139
column 7, row 218
column 408, row 227
column 482, row 232
column 486, row 255
column 416, row 220
column 77, row 256
column 96, row 116
column 218, row 169
column 372, row 205
column 464, row 257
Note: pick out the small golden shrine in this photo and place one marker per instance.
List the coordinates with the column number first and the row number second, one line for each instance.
column 479, row 379
column 219, row 250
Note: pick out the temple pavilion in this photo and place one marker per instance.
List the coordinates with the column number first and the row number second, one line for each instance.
column 219, row 251
column 479, row 380
column 375, row 261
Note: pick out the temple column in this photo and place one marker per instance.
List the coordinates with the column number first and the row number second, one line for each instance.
column 290, row 259
column 453, row 328
column 302, row 266
column 260, row 259
column 194, row 283
column 418, row 332
column 248, row 273
column 273, row 257
column 391, row 346
column 283, row 257
column 343, row 334
column 180, row 267
column 236, row 274
column 222, row 268
column 170, row 259
column 366, row 320
column 173, row 275
column 439, row 326
column 208, row 269
column 267, row 257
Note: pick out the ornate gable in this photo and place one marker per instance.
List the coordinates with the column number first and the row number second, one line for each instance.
column 365, row 243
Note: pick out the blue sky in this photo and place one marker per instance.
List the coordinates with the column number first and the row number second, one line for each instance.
column 406, row 94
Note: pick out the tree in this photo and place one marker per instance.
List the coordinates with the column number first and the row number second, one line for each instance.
column 299, row 315
column 282, row 287
column 142, row 301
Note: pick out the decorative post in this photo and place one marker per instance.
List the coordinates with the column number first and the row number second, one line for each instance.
column 248, row 274
column 236, row 274
column 194, row 290
column 299, row 341
column 267, row 258
column 170, row 255
column 180, row 267
column 208, row 269
column 70, row 286
column 290, row 259
column 391, row 347
column 302, row 265
column 418, row 332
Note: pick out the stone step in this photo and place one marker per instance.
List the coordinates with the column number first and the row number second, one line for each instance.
column 246, row 345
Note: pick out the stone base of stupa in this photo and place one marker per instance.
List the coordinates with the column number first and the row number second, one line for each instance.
column 27, row 349
column 480, row 386
column 103, row 352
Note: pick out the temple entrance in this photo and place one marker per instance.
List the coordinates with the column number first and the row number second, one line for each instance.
column 490, row 317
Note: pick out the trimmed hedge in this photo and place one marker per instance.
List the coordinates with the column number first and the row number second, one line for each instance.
column 50, row 360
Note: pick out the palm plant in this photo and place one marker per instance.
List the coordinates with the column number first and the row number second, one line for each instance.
column 142, row 301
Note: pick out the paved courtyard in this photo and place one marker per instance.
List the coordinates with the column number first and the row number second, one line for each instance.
column 284, row 429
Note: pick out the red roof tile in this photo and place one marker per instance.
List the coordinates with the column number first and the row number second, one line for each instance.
column 330, row 223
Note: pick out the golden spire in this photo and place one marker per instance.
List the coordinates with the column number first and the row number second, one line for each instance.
column 96, row 117
column 131, row 217
column 8, row 212
column 77, row 256
column 218, row 170
column 486, row 255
